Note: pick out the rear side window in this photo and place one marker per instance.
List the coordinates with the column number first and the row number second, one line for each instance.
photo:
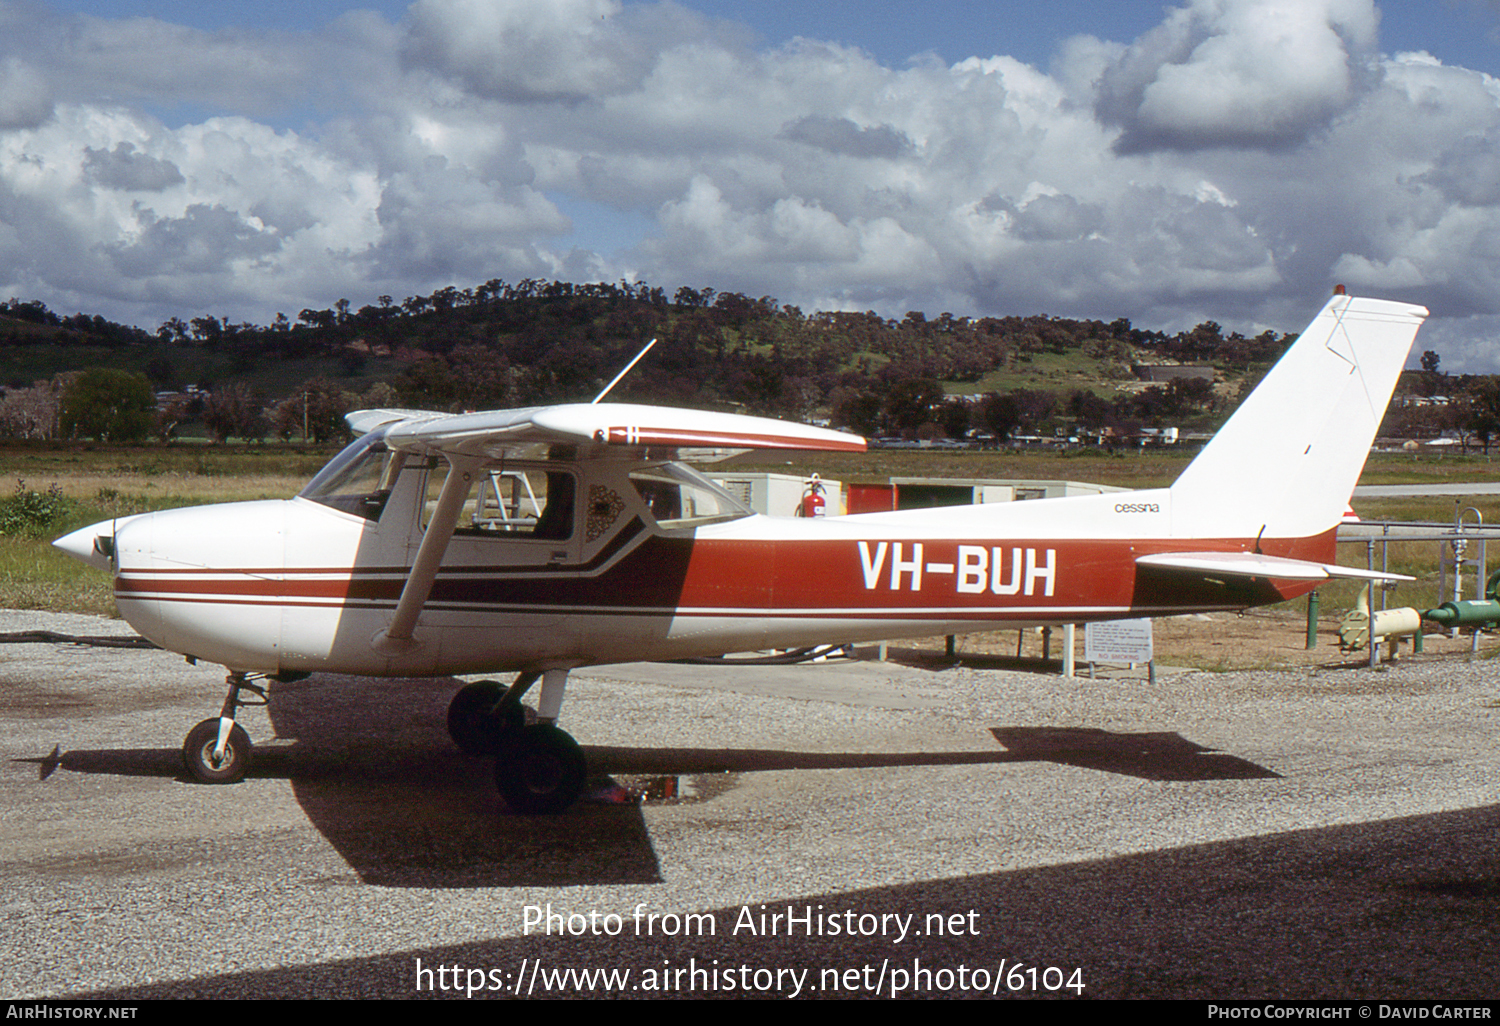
column 679, row 497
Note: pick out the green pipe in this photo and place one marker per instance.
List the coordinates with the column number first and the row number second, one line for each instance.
column 1469, row 613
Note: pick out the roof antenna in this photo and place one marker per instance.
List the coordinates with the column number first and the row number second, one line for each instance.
column 624, row 372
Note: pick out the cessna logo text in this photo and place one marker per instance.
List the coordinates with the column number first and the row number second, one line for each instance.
column 1137, row 507
column 980, row 568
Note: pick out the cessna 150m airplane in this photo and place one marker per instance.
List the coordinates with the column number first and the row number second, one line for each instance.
column 542, row 540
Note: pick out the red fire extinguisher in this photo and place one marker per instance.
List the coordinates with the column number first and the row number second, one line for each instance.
column 813, row 503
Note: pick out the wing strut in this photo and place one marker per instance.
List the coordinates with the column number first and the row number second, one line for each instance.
column 397, row 637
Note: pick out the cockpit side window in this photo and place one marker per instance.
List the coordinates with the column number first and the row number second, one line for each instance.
column 359, row 479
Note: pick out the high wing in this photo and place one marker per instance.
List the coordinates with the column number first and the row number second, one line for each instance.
column 1254, row 564
column 504, row 432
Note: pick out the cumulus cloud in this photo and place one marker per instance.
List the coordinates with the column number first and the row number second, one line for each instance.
column 1233, row 163
column 840, row 135
column 124, row 168
column 1057, row 219
column 1239, row 73
column 543, row 50
column 1468, row 172
column 204, row 240
column 25, row 98
column 441, row 222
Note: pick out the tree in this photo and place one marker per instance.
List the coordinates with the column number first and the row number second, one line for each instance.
column 30, row 412
column 1088, row 409
column 316, row 318
column 1001, row 414
column 319, row 406
column 1431, row 382
column 108, row 405
column 174, row 330
column 1482, row 416
column 169, row 416
column 161, row 372
column 909, row 402
column 859, row 411
column 208, row 329
column 955, row 416
column 234, row 410
column 481, row 377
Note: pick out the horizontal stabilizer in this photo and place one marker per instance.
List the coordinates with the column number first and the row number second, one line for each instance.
column 1253, row 564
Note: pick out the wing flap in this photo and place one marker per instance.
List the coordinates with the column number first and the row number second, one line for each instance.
column 1253, row 564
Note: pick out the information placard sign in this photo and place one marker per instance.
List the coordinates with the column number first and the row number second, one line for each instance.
column 1117, row 641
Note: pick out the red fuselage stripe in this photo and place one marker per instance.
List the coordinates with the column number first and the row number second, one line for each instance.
column 931, row 578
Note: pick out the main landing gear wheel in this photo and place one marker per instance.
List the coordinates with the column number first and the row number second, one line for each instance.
column 198, row 754
column 477, row 722
column 542, row 771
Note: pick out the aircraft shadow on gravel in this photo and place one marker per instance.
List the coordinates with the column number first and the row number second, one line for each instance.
column 372, row 767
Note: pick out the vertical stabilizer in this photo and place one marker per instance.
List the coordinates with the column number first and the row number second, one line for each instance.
column 1286, row 463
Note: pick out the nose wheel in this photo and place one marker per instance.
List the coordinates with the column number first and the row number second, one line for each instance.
column 218, row 751
column 207, row 762
column 539, row 768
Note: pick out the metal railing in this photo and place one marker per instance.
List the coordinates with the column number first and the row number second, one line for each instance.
column 1454, row 555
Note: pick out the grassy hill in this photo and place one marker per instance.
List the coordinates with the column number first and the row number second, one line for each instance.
column 499, row 345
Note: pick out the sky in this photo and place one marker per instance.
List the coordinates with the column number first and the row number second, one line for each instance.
column 1169, row 163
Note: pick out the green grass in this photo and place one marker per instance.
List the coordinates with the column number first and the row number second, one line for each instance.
column 1049, row 372
column 97, row 482
column 1151, row 470
column 1399, row 468
column 34, row 575
column 100, row 482
column 43, row 462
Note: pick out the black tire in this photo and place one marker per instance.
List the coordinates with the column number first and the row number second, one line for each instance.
column 471, row 717
column 475, row 722
column 542, row 772
column 198, row 754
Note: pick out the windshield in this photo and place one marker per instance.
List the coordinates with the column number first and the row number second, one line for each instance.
column 358, row 480
column 679, row 497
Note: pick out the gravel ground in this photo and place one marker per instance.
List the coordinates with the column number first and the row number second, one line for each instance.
column 1311, row 833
